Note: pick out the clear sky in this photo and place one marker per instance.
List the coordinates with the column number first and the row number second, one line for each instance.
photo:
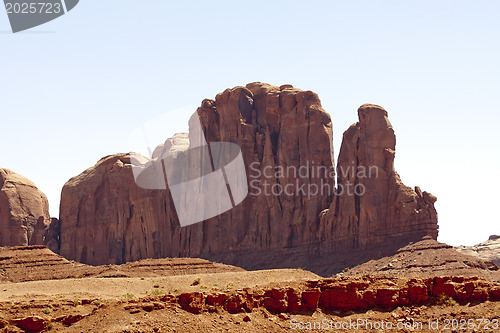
column 72, row 90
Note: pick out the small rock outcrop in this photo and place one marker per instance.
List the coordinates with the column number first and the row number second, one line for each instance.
column 294, row 214
column 24, row 211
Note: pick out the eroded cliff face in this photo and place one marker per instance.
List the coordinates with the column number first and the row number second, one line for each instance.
column 286, row 141
column 373, row 206
column 24, row 211
column 106, row 218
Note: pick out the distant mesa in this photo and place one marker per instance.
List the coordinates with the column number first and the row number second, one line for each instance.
column 489, row 250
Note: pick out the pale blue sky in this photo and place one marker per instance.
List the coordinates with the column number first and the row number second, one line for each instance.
column 72, row 90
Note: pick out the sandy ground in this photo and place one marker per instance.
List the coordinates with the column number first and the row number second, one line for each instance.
column 117, row 288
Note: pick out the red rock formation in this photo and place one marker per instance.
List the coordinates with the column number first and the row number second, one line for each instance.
column 106, row 218
column 274, row 127
column 286, row 142
column 344, row 295
column 373, row 206
column 24, row 211
column 31, row 324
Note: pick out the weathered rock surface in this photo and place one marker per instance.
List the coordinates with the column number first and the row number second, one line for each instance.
column 489, row 250
column 106, row 218
column 282, row 131
column 24, row 211
column 379, row 209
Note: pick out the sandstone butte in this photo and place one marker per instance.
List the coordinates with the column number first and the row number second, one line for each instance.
column 105, row 218
column 24, row 211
